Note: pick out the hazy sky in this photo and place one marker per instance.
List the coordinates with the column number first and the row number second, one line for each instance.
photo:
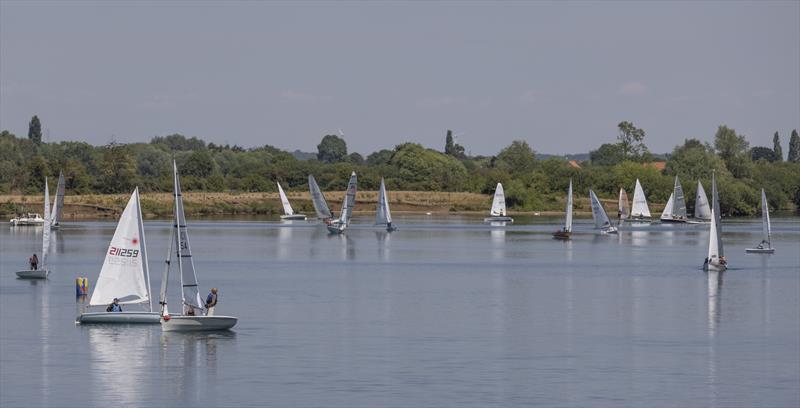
column 559, row 75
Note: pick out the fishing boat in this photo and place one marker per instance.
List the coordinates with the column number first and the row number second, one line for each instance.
column 498, row 211
column 601, row 220
column 194, row 315
column 715, row 261
column 566, row 231
column 288, row 213
column 320, row 205
column 339, row 225
column 702, row 210
column 58, row 202
column 639, row 211
column 765, row 247
column 382, row 214
column 42, row 271
column 125, row 274
column 675, row 211
column 622, row 207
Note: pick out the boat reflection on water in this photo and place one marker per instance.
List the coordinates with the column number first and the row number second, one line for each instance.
column 119, row 352
column 191, row 359
column 384, row 238
column 498, row 237
column 714, row 314
column 284, row 246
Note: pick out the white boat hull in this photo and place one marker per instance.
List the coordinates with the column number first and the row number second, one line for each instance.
column 118, row 318
column 37, row 274
column 336, row 228
column 498, row 219
column 301, row 217
column 198, row 323
column 714, row 267
column 760, row 250
column 610, row 230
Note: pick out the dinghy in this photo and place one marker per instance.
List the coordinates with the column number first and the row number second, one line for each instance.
column 601, row 220
column 42, row 271
column 639, row 210
column 338, row 226
column 765, row 247
column 320, row 205
column 382, row 214
column 498, row 211
column 288, row 213
column 622, row 207
column 566, row 231
column 702, row 211
column 125, row 274
column 194, row 316
column 675, row 211
column 715, row 261
column 58, row 203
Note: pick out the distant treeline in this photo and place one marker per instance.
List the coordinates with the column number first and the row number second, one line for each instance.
column 530, row 183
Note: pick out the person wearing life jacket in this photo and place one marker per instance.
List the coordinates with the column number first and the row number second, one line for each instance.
column 34, row 261
column 211, row 302
column 114, row 306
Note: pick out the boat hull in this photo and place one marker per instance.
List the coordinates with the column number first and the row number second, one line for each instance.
column 335, row 228
column 498, row 219
column 760, row 250
column 714, row 267
column 118, row 318
column 293, row 217
column 37, row 274
column 674, row 221
column 562, row 234
column 26, row 223
column 198, row 323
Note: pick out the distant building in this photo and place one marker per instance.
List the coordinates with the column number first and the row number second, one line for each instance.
column 658, row 165
column 574, row 164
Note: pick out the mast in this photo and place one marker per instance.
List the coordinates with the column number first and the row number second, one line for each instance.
column 46, row 226
column 765, row 219
column 143, row 247
column 188, row 276
column 715, row 212
column 164, row 282
column 568, row 220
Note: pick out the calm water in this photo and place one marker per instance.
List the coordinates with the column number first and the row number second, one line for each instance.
column 443, row 312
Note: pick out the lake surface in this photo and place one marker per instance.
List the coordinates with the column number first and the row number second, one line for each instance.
column 443, row 312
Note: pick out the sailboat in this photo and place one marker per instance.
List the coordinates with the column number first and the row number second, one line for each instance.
column 498, row 211
column 765, row 247
column 382, row 214
column 42, row 271
column 566, row 231
column 622, row 210
column 715, row 261
column 639, row 210
column 675, row 211
column 125, row 274
column 193, row 317
column 702, row 210
column 58, row 203
column 601, row 220
column 320, row 205
column 288, row 213
column 338, row 226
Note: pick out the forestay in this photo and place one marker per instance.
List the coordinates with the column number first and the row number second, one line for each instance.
column 320, row 205
column 124, row 274
column 349, row 200
column 640, row 208
column 702, row 210
column 190, row 292
column 499, row 202
column 598, row 212
column 382, row 213
column 287, row 208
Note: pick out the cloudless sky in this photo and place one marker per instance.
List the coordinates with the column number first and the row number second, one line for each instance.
column 559, row 75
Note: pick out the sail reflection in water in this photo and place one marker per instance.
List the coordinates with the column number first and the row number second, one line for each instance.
column 193, row 356
column 119, row 356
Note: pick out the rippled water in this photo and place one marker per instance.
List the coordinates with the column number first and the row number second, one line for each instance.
column 442, row 312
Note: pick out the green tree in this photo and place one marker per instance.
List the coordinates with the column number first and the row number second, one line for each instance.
column 382, row 156
column 518, row 157
column 332, row 149
column 776, row 147
column 762, row 153
column 35, row 130
column 451, row 148
column 355, row 158
column 631, row 140
column 794, row 148
column 732, row 148
column 199, row 164
column 117, row 170
column 607, row 154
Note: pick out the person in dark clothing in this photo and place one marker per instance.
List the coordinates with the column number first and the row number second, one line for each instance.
column 34, row 261
column 114, row 307
column 211, row 302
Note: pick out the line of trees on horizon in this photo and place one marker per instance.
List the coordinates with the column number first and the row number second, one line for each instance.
column 531, row 183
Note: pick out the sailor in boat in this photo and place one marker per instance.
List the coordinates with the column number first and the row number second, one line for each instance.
column 211, row 302
column 763, row 245
column 34, row 261
column 114, row 306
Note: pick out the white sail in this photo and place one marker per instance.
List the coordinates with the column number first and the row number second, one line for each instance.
column 287, row 208
column 702, row 210
column 190, row 292
column 46, row 226
column 640, row 208
column 679, row 206
column 382, row 213
column 765, row 224
column 124, row 274
column 601, row 219
column 499, row 202
column 349, row 201
column 713, row 242
column 568, row 220
column 320, row 205
column 667, row 213
column 623, row 204
column 58, row 203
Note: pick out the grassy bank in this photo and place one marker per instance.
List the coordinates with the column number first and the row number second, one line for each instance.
column 202, row 203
